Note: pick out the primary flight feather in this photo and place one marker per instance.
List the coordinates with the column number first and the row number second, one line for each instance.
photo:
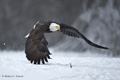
column 36, row 44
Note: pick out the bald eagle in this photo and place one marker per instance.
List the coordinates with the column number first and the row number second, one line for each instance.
column 36, row 44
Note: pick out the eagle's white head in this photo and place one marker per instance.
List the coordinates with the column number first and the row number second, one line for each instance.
column 54, row 27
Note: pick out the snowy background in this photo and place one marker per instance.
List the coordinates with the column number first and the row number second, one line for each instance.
column 14, row 66
column 72, row 59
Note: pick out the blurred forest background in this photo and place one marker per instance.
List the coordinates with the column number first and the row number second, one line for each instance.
column 98, row 20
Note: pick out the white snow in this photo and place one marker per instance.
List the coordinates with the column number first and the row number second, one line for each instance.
column 15, row 66
column 4, row 44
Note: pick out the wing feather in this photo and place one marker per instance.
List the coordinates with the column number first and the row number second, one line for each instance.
column 71, row 31
column 36, row 48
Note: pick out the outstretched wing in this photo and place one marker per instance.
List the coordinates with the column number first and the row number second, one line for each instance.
column 36, row 49
column 71, row 31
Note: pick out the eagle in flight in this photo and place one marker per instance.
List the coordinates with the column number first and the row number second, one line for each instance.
column 36, row 44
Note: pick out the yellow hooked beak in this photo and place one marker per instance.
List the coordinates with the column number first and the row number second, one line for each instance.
column 58, row 27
